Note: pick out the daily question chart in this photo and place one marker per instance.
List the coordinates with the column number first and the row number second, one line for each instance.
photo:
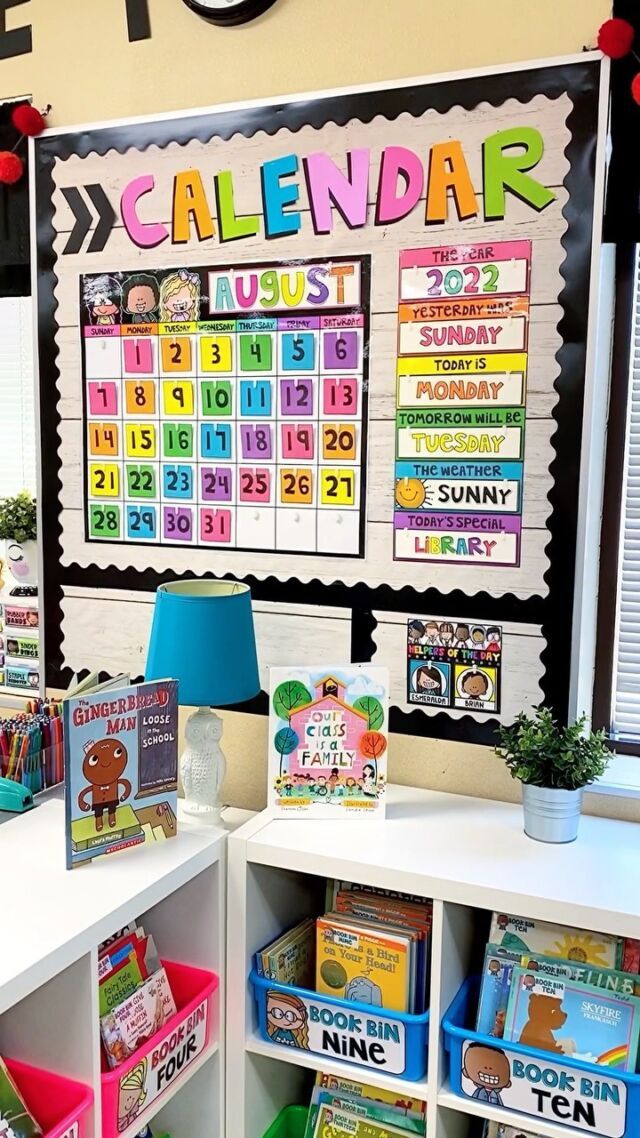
column 227, row 407
column 461, row 392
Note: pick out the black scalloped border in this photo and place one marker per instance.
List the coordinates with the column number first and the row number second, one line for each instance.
column 580, row 81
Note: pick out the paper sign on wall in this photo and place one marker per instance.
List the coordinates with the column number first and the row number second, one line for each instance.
column 460, row 421
column 454, row 663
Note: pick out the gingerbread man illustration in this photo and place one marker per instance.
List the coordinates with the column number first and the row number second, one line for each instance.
column 102, row 767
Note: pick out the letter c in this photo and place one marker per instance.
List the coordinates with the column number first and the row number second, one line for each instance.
column 145, row 234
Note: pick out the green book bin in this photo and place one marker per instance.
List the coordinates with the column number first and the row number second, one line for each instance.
column 290, row 1123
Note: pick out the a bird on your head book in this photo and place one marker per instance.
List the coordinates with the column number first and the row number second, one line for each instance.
column 121, row 767
column 328, row 741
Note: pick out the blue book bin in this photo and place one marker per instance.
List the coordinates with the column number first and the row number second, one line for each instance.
column 539, row 1084
column 373, row 1038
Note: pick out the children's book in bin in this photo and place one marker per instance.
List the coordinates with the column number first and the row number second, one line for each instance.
column 328, row 741
column 16, row 1121
column 121, row 767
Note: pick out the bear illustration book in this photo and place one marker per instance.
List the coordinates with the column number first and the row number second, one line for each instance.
column 569, row 1017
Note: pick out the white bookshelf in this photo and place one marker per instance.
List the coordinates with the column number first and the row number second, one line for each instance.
column 471, row 856
column 55, row 920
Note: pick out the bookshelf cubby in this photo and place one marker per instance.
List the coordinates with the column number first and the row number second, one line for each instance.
column 56, row 920
column 472, row 857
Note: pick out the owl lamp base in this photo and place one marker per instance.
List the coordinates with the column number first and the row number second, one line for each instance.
column 203, row 766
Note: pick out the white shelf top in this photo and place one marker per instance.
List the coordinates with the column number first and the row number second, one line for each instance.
column 471, row 851
column 56, row 915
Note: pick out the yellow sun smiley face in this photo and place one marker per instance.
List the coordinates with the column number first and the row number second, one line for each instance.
column 410, row 493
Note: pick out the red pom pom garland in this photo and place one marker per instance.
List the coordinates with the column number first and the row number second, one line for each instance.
column 616, row 37
column 11, row 168
column 28, row 120
column 635, row 88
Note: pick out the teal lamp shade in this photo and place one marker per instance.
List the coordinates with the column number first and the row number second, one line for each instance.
column 202, row 635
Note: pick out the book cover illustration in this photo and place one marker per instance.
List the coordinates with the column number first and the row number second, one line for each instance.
column 368, row 966
column 494, row 992
column 121, row 768
column 130, row 1025
column 366, row 1109
column 15, row 1119
column 328, row 741
column 569, row 1018
column 523, row 934
column 333, row 1123
column 342, row 1085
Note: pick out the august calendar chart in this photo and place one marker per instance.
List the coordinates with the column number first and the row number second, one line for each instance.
column 227, row 406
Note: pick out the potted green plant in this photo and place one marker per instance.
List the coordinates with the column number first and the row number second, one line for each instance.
column 18, row 530
column 554, row 764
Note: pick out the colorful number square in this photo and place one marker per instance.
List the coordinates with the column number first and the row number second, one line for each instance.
column 255, row 484
column 256, row 353
column 298, row 351
column 340, row 350
column 339, row 441
column 298, row 441
column 141, row 523
column 296, row 486
column 140, row 396
column 216, row 353
column 340, row 396
column 141, row 482
column 177, row 482
column 104, row 480
column 104, row 521
column 256, row 441
column 177, row 523
column 255, row 397
column 103, row 398
column 217, row 398
column 215, row 440
column 138, row 355
column 216, row 483
column 140, row 440
column 175, row 353
column 103, row 438
column 177, row 440
column 215, row 525
column 177, row 397
column 296, row 397
column 337, row 487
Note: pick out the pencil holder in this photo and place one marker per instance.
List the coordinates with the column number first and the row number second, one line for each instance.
column 290, row 1123
column 380, row 1040
column 61, row 1106
column 540, row 1084
column 141, row 1082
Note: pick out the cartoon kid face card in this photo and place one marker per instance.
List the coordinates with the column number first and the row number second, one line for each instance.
column 121, row 768
column 328, row 735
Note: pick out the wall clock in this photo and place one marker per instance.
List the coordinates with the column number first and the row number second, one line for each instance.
column 229, row 12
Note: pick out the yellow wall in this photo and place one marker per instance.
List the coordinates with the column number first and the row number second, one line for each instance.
column 84, row 66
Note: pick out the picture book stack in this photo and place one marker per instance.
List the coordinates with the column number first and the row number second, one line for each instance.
column 135, row 999
column 16, row 1120
column 341, row 1106
column 562, row 990
column 121, row 766
column 371, row 946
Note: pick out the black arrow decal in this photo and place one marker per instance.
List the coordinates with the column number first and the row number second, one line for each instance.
column 106, row 218
column 73, row 198
column 84, row 219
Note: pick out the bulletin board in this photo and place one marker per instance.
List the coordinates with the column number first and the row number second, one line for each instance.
column 336, row 346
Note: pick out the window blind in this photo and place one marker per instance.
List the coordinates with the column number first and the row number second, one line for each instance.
column 626, row 696
column 17, row 402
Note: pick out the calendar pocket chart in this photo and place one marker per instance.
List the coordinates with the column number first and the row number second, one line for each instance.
column 211, row 423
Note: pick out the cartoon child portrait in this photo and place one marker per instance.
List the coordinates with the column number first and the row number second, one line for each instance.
column 287, row 1019
column 432, row 632
column 102, row 297
column 102, row 766
column 180, row 297
column 446, row 633
column 416, row 631
column 369, row 782
column 494, row 639
column 477, row 636
column 429, row 679
column 140, row 295
column 462, row 636
column 475, row 685
column 489, row 1070
column 132, row 1094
